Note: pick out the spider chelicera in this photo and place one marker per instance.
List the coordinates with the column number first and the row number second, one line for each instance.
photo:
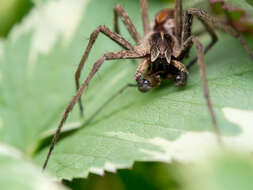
column 161, row 51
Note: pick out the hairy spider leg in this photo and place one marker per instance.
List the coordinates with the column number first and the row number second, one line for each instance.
column 113, row 36
column 145, row 17
column 125, row 54
column 192, row 40
column 187, row 32
column 120, row 12
column 213, row 22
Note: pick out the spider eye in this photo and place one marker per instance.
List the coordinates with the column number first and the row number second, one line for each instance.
column 178, row 77
column 181, row 79
column 143, row 84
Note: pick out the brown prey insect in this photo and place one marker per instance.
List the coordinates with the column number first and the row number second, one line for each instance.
column 161, row 51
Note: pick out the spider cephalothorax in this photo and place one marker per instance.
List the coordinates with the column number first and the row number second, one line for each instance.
column 164, row 54
column 162, row 62
column 161, row 50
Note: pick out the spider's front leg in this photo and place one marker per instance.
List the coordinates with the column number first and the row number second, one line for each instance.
column 144, row 16
column 180, row 78
column 125, row 54
column 120, row 12
column 144, row 85
column 192, row 40
column 113, row 36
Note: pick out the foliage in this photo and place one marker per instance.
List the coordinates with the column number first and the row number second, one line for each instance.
column 12, row 12
column 18, row 173
column 37, row 82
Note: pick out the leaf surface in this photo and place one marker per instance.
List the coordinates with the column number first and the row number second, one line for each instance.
column 164, row 124
column 223, row 171
column 18, row 173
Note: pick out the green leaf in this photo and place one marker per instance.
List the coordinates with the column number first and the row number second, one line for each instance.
column 11, row 13
column 250, row 2
column 164, row 124
column 17, row 173
column 225, row 171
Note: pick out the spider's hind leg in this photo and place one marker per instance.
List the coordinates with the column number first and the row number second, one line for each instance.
column 187, row 32
column 213, row 22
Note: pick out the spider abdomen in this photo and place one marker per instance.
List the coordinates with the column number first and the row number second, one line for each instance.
column 165, row 21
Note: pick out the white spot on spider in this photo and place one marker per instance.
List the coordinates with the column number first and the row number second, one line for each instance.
column 169, row 25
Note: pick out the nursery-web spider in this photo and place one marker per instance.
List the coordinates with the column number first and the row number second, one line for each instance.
column 161, row 50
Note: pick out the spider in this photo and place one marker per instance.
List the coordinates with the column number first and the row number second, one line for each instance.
column 161, row 51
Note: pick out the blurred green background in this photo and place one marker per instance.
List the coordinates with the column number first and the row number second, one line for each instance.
column 12, row 12
column 149, row 176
